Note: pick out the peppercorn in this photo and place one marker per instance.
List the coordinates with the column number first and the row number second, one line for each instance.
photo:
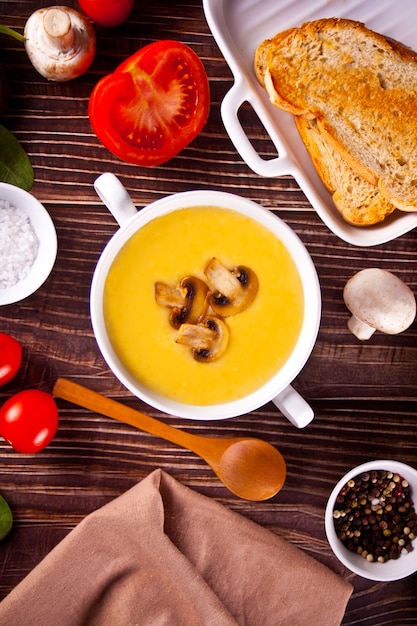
column 374, row 516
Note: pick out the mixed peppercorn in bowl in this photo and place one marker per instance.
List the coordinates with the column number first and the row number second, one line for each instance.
column 371, row 520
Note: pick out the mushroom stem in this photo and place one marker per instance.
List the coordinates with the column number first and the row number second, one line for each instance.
column 360, row 329
column 58, row 28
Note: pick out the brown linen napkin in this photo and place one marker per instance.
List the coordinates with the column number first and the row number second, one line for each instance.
column 164, row 555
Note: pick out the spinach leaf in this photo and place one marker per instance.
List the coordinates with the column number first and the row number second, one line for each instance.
column 6, row 518
column 15, row 166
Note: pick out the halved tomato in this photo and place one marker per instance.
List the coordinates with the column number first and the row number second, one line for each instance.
column 153, row 105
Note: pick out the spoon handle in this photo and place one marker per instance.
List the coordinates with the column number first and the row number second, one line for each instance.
column 82, row 396
column 249, row 468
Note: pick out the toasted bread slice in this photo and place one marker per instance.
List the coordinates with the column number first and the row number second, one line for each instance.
column 361, row 88
column 265, row 52
column 359, row 202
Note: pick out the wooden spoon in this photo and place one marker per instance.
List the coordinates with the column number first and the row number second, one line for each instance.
column 250, row 468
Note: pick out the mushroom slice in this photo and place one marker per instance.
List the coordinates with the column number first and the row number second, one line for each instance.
column 233, row 290
column 378, row 300
column 187, row 300
column 208, row 340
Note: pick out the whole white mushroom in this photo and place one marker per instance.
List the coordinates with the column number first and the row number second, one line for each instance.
column 378, row 300
column 60, row 42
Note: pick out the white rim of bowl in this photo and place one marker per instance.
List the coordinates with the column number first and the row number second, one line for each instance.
column 45, row 231
column 406, row 564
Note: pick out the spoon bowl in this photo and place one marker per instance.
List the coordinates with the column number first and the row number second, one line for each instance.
column 257, row 459
column 250, row 468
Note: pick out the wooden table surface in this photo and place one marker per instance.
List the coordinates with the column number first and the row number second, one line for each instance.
column 363, row 394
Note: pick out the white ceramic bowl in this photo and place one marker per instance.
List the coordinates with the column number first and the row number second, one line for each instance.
column 278, row 389
column 406, row 564
column 46, row 234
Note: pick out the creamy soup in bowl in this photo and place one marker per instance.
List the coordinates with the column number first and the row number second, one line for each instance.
column 263, row 346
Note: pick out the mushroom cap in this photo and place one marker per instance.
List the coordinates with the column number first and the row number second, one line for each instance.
column 381, row 300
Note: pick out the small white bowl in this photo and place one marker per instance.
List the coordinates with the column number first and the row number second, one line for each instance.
column 406, row 564
column 45, row 231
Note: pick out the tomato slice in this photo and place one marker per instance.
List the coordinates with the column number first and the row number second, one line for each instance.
column 10, row 357
column 153, row 105
column 29, row 420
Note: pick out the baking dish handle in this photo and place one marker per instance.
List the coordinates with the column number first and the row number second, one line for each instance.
column 233, row 100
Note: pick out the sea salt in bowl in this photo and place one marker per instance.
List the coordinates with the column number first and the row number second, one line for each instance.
column 406, row 563
column 28, row 244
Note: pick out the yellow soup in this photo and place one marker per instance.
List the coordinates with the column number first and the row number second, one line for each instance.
column 180, row 244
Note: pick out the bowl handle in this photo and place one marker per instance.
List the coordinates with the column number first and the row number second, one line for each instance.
column 294, row 407
column 233, row 100
column 111, row 191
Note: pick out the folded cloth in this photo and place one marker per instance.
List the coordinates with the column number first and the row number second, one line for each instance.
column 164, row 555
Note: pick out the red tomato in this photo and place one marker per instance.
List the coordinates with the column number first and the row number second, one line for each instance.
column 10, row 357
column 153, row 105
column 29, row 420
column 107, row 12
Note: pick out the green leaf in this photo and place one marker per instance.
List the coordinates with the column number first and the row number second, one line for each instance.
column 15, row 166
column 6, row 518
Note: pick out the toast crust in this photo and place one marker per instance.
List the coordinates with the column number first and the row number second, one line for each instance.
column 265, row 52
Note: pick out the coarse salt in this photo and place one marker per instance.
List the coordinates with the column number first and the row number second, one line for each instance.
column 18, row 245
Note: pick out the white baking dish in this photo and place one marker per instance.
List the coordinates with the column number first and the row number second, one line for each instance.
column 238, row 27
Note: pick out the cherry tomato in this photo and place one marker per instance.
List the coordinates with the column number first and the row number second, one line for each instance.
column 107, row 12
column 153, row 104
column 29, row 420
column 10, row 357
